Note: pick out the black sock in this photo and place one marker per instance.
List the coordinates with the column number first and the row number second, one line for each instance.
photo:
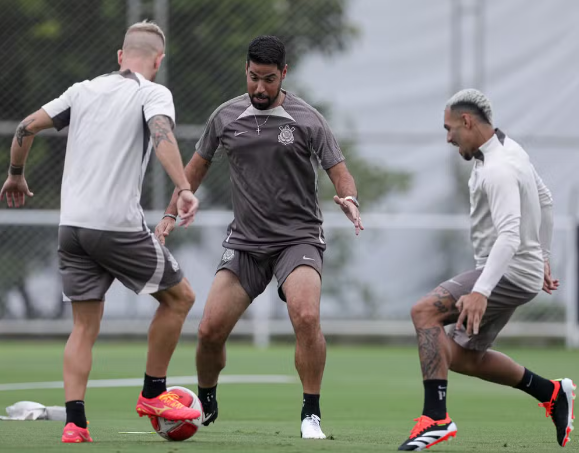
column 536, row 386
column 311, row 406
column 75, row 413
column 207, row 396
column 154, row 386
column 435, row 398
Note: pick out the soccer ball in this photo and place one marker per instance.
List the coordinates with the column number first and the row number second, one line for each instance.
column 179, row 430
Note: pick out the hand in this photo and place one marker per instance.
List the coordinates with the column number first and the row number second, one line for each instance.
column 164, row 228
column 471, row 307
column 549, row 285
column 16, row 189
column 351, row 212
column 187, row 205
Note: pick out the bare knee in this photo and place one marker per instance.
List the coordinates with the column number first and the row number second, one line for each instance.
column 182, row 306
column 424, row 312
column 211, row 336
column 438, row 307
column 188, row 298
column 87, row 330
column 306, row 321
column 178, row 299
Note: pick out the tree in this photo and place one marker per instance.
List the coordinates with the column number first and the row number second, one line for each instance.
column 208, row 53
column 51, row 44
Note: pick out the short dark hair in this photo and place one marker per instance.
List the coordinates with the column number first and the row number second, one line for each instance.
column 473, row 109
column 267, row 50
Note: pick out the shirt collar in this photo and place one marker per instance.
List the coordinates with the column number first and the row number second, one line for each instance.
column 493, row 143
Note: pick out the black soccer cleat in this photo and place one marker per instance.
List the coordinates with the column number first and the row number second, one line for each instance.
column 210, row 412
column 560, row 409
column 428, row 432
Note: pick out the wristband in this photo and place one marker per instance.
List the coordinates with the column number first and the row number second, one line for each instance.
column 182, row 190
column 16, row 170
column 174, row 217
column 353, row 200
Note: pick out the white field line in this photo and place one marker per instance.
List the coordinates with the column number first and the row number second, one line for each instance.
column 138, row 382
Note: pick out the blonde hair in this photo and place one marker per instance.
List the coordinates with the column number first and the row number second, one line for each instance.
column 144, row 27
column 474, row 98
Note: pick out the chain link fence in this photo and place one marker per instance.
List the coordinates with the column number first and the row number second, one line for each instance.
column 362, row 280
column 50, row 44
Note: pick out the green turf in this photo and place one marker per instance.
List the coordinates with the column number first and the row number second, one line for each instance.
column 370, row 396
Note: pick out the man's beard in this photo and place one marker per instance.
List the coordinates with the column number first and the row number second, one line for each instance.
column 467, row 156
column 265, row 105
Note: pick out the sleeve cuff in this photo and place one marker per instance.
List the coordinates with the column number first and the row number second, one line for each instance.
column 479, row 289
column 153, row 113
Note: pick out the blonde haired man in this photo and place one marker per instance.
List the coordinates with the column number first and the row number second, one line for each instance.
column 114, row 122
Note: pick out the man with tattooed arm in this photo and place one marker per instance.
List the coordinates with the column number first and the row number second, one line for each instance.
column 511, row 230
column 114, row 121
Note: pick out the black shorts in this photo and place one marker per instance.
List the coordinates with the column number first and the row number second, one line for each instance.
column 255, row 270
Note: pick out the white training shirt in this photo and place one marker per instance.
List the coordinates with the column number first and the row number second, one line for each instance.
column 108, row 148
column 511, row 216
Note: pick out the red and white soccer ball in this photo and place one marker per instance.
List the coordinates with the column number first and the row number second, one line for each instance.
column 179, row 430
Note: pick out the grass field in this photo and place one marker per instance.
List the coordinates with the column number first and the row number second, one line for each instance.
column 370, row 396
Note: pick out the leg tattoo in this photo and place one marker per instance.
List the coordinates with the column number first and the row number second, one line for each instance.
column 429, row 348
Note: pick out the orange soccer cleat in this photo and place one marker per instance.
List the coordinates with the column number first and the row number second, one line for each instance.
column 167, row 406
column 73, row 434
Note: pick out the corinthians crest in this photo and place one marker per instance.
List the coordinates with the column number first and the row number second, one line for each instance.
column 286, row 136
column 227, row 255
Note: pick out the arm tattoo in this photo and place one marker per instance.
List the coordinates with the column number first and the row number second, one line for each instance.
column 160, row 127
column 429, row 350
column 22, row 132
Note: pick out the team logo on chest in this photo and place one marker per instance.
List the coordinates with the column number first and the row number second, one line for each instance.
column 286, row 136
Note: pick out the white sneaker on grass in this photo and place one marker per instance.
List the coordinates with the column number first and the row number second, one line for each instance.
column 311, row 428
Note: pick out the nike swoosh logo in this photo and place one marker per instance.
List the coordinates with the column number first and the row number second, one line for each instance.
column 239, row 133
column 441, row 387
column 455, row 282
column 306, row 258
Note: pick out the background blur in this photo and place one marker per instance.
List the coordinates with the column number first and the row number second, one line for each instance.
column 381, row 71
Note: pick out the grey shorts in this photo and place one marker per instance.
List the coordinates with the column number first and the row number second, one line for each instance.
column 90, row 260
column 502, row 303
column 255, row 270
